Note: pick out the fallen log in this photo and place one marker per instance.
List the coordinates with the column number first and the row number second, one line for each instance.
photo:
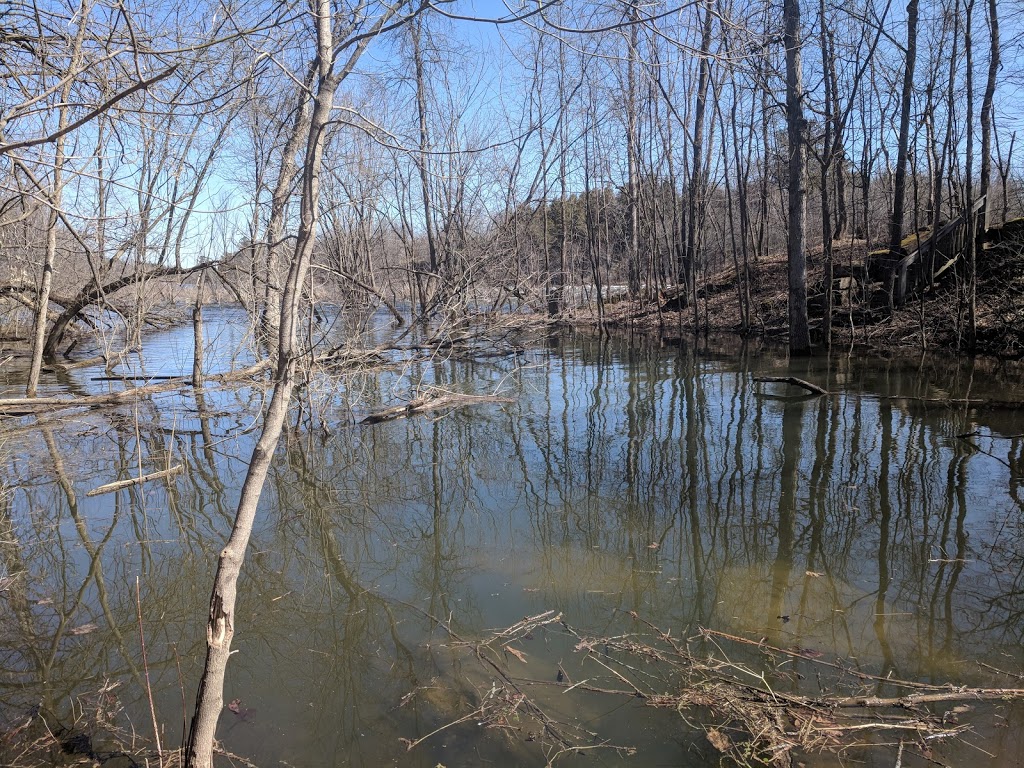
column 812, row 388
column 910, row 701
column 23, row 406
column 117, row 485
column 25, row 402
column 99, row 359
column 430, row 403
column 134, row 377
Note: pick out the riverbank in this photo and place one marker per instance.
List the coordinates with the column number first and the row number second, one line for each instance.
column 754, row 307
column 934, row 321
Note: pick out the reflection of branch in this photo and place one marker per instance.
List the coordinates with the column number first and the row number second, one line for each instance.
column 95, row 558
column 145, row 667
column 979, row 449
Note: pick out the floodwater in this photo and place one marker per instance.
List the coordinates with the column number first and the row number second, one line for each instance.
column 625, row 476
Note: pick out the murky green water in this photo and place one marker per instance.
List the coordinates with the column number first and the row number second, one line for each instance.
column 624, row 476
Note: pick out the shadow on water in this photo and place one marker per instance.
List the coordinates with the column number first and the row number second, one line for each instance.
column 626, row 476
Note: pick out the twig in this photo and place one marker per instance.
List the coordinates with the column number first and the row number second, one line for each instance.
column 410, row 744
column 629, row 751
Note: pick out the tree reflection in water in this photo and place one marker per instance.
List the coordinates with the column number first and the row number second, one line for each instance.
column 627, row 476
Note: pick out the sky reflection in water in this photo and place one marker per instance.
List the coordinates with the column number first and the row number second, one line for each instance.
column 624, row 477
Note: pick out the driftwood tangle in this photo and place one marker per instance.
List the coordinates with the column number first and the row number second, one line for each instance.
column 745, row 717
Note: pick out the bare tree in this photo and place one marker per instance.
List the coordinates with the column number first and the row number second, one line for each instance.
column 903, row 142
column 341, row 40
column 796, row 130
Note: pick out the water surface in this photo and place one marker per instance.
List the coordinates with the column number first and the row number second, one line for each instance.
column 625, row 476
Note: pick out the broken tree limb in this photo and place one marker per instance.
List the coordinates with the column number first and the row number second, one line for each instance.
column 812, row 388
column 430, row 403
column 134, row 377
column 119, row 484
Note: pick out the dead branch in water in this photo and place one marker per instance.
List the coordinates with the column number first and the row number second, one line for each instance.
column 814, row 389
column 431, row 402
column 743, row 715
column 117, row 485
column 506, row 705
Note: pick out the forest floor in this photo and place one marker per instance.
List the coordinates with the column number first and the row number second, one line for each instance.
column 934, row 320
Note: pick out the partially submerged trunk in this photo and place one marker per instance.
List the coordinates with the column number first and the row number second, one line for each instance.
column 197, row 334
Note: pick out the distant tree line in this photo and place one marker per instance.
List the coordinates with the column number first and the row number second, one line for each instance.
column 558, row 150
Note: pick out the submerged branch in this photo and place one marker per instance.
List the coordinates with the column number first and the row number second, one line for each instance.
column 506, row 701
column 431, row 402
column 743, row 716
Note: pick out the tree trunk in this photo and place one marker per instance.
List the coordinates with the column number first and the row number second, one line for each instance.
column 270, row 320
column 799, row 332
column 632, row 156
column 987, row 103
column 221, row 619
column 55, row 198
column 972, row 261
column 423, row 161
column 902, row 150
column 830, row 120
column 698, row 184
column 197, row 334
